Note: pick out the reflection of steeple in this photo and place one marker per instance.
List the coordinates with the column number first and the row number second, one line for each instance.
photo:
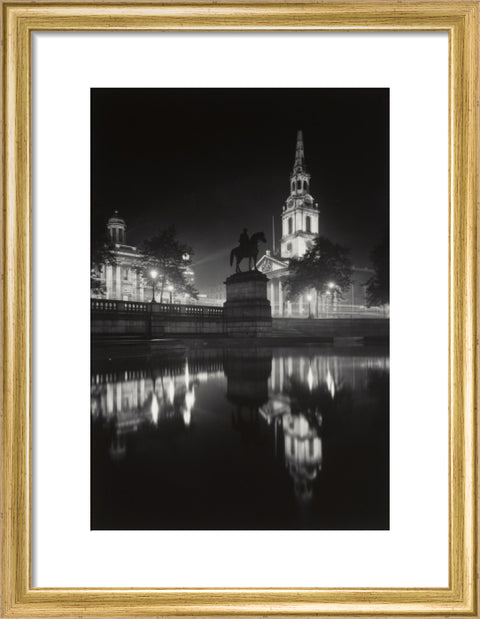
column 303, row 454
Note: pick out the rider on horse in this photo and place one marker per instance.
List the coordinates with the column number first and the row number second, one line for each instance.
column 244, row 241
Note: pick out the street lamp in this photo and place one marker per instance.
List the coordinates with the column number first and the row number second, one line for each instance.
column 153, row 275
column 170, row 290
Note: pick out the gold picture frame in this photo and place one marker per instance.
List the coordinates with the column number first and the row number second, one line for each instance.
column 461, row 21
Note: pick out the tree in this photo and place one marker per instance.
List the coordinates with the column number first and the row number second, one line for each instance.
column 324, row 263
column 165, row 253
column 101, row 254
column 378, row 286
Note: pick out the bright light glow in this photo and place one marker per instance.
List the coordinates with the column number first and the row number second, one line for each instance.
column 331, row 285
column 189, row 402
column 153, row 274
column 330, row 384
column 309, row 297
column 190, row 399
column 310, row 378
column 155, row 408
column 170, row 288
column 171, row 392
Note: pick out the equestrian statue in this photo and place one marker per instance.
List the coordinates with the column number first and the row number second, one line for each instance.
column 248, row 248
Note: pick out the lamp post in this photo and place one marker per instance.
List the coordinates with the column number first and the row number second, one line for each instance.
column 153, row 275
column 170, row 290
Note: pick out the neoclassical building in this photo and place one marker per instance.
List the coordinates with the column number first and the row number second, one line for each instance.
column 300, row 226
column 122, row 280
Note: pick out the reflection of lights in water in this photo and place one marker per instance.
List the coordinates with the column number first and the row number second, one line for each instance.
column 187, row 374
column 310, row 378
column 330, row 384
column 189, row 403
column 155, row 408
column 171, row 391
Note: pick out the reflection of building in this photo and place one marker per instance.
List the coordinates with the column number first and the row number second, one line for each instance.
column 300, row 226
column 132, row 399
column 122, row 280
column 303, row 453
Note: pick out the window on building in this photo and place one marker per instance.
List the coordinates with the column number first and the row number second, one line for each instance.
column 293, row 185
column 125, row 274
column 308, row 224
column 299, row 184
column 290, row 225
column 289, row 247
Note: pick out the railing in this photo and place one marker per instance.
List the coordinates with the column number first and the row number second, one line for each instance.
column 168, row 309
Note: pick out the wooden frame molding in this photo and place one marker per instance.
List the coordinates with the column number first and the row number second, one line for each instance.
column 461, row 20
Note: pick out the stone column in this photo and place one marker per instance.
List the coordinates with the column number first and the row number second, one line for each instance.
column 118, row 291
column 109, row 282
column 300, row 305
column 280, row 298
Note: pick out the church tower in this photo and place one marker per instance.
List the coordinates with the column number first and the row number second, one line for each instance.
column 300, row 213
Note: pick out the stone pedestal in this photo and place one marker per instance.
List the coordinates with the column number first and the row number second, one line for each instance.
column 247, row 311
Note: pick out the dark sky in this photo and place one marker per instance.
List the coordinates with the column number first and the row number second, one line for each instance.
column 213, row 161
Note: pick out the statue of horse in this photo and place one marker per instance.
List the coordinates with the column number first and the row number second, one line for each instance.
column 250, row 251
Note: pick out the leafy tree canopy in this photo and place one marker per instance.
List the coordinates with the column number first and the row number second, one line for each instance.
column 324, row 263
column 166, row 254
column 378, row 286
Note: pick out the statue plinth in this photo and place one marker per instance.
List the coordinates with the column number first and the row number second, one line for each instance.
column 247, row 311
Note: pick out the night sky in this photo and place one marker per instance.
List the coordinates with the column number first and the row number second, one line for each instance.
column 213, row 161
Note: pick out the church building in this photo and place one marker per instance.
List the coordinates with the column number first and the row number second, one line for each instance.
column 300, row 226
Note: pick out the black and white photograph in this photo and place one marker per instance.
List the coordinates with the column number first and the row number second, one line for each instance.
column 240, row 309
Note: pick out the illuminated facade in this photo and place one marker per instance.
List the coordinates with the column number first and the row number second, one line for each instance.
column 122, row 280
column 300, row 226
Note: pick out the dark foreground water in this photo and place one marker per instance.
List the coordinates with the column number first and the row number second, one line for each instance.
column 282, row 438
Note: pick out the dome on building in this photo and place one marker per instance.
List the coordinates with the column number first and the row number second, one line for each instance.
column 117, row 229
column 115, row 219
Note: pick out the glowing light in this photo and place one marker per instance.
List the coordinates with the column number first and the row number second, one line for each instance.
column 171, row 392
column 189, row 403
column 155, row 408
column 330, row 384
column 331, row 285
column 310, row 378
column 153, row 274
column 187, row 374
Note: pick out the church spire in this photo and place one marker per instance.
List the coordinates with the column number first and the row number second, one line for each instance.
column 299, row 164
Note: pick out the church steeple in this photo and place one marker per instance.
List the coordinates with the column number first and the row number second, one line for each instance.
column 299, row 179
column 300, row 212
column 299, row 165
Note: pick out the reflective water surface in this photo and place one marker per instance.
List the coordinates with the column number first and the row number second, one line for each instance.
column 282, row 438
